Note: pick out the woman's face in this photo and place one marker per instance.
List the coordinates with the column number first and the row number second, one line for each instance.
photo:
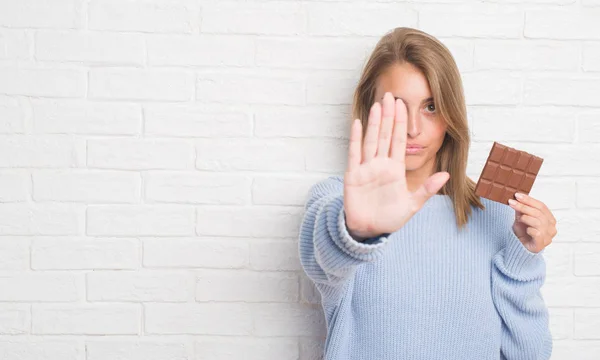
column 424, row 126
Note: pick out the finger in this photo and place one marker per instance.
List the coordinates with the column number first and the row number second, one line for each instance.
column 387, row 122
column 354, row 149
column 525, row 209
column 370, row 143
column 430, row 187
column 527, row 199
column 531, row 222
column 398, row 151
column 535, row 234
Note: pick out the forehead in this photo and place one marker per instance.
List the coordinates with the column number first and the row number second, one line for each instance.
column 404, row 81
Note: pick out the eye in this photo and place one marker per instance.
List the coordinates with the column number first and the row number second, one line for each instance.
column 429, row 106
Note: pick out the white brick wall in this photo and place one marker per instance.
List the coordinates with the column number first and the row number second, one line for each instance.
column 155, row 156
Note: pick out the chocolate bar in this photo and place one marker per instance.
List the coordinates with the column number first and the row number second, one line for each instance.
column 506, row 172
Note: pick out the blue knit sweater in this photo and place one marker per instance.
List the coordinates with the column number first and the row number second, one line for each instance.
column 427, row 291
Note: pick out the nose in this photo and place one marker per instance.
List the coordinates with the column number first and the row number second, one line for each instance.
column 413, row 125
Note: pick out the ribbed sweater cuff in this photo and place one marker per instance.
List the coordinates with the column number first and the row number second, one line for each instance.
column 366, row 250
column 521, row 263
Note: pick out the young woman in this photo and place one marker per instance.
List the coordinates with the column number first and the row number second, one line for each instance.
column 409, row 262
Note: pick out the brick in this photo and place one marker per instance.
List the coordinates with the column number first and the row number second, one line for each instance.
column 15, row 186
column 15, row 44
column 197, row 188
column 363, row 19
column 248, row 348
column 146, row 348
column 559, row 259
column 33, row 348
column 588, row 127
column 586, row 323
column 248, row 221
column 13, row 115
column 527, row 55
column 250, row 88
column 73, row 253
column 523, row 124
column 202, row 50
column 561, row 323
column 265, row 18
column 143, row 16
column 199, row 319
column 58, row 14
column 195, row 253
column 328, row 155
column 41, row 219
column 16, row 319
column 78, row 117
column 329, row 53
column 506, row 89
column 139, row 154
column 141, row 84
column 246, row 286
column 573, row 349
column 588, row 193
column 86, row 186
column 140, row 220
column 585, row 259
column 250, row 154
column 563, row 24
column 331, row 88
column 570, row 291
column 54, row 83
column 288, row 320
column 472, row 20
column 195, row 121
column 591, row 56
column 76, row 319
column 33, row 151
column 37, row 287
column 89, row 47
column 261, row 255
column 304, row 122
column 14, row 253
column 282, row 190
column 138, row 286
column 561, row 90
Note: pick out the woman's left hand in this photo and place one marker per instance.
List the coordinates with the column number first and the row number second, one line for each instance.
column 534, row 223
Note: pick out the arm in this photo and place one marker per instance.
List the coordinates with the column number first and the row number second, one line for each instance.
column 328, row 253
column 517, row 276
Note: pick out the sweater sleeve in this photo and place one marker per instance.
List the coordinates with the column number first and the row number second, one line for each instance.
column 327, row 252
column 517, row 277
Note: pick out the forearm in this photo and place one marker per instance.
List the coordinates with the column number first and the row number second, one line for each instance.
column 328, row 252
column 517, row 277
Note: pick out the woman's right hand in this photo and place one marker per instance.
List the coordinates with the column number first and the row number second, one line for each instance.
column 376, row 197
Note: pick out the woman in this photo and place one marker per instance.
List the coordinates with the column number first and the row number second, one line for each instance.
column 409, row 262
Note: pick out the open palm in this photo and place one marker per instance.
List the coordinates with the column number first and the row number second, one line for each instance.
column 376, row 196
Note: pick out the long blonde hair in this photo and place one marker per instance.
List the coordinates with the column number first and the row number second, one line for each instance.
column 434, row 60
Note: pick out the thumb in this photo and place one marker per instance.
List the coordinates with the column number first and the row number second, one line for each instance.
column 430, row 187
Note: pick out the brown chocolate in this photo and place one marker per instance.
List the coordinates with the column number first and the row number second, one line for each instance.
column 506, row 172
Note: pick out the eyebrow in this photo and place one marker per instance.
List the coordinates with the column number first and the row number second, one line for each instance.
column 424, row 101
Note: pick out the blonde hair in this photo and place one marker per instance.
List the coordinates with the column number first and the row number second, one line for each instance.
column 434, row 60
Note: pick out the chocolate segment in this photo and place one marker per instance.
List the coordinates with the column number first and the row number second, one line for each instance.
column 506, row 172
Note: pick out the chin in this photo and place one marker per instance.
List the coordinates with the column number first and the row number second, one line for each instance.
column 413, row 165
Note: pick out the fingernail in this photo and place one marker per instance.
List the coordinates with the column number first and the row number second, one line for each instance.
column 512, row 202
column 519, row 195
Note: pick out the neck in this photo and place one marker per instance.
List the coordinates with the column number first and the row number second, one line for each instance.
column 415, row 178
